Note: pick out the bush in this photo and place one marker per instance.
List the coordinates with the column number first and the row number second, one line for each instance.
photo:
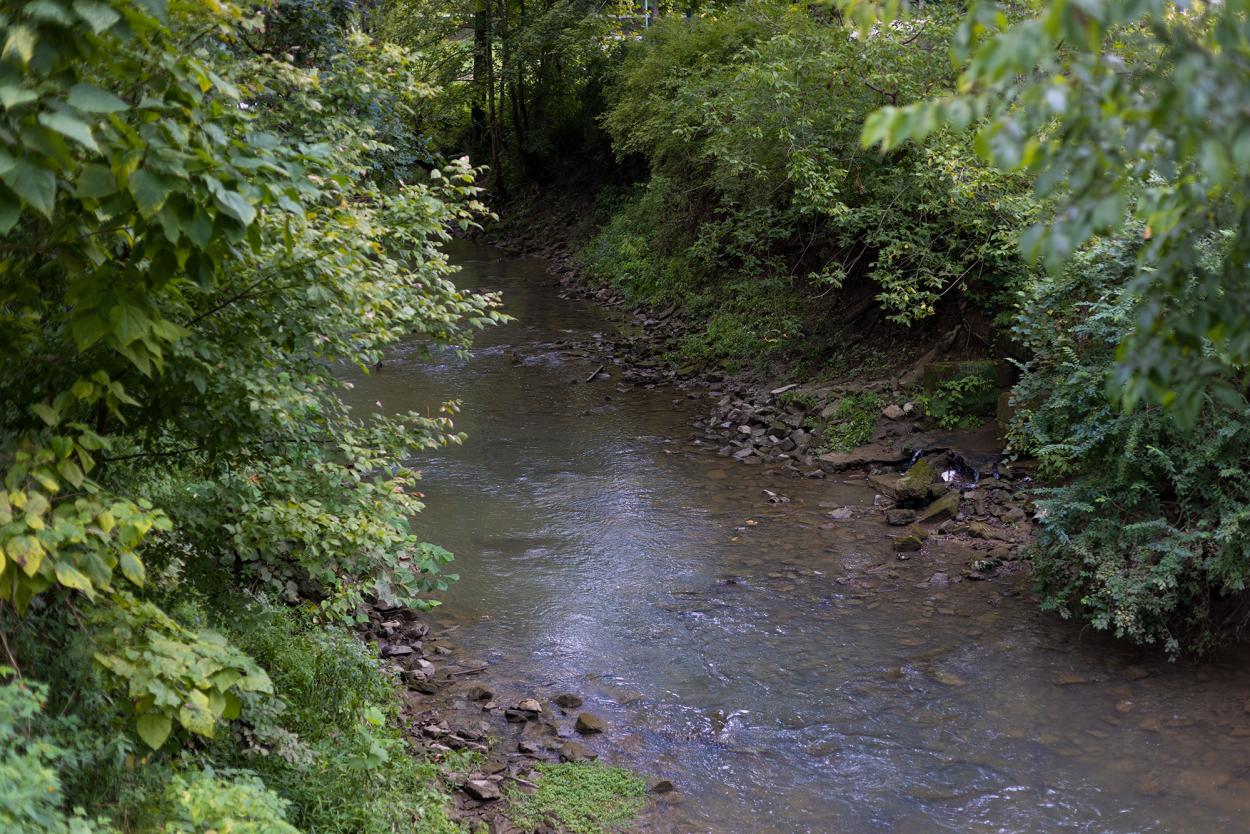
column 1148, row 535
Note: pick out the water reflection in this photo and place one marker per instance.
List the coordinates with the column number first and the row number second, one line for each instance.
column 788, row 676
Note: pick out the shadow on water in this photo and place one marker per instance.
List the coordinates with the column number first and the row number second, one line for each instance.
column 789, row 675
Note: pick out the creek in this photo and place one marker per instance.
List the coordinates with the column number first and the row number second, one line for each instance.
column 785, row 670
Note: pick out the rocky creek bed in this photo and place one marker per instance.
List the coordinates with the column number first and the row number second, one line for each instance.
column 803, row 643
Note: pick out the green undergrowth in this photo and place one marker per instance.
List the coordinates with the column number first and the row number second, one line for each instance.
column 579, row 798
column 323, row 756
column 851, row 424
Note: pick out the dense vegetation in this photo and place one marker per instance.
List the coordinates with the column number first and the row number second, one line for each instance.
column 1068, row 192
column 187, row 258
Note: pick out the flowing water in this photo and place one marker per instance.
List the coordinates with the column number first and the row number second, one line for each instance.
column 789, row 675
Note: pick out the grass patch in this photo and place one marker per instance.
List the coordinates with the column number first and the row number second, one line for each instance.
column 851, row 424
column 579, row 798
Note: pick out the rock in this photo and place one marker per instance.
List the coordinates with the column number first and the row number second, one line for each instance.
column 529, row 748
column 398, row 650
column 911, row 539
column 478, row 693
column 914, row 485
column 516, row 716
column 530, row 705
column 938, row 580
column 482, row 789
column 575, row 751
column 893, row 412
column 660, row 786
column 588, row 722
column 1015, row 515
column 841, row 514
column 783, row 389
column 908, row 543
column 899, row 517
column 943, row 509
column 568, row 700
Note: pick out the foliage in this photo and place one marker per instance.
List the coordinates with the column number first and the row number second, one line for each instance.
column 581, row 798
column 752, row 119
column 950, row 404
column 188, row 258
column 1147, row 533
column 30, row 787
column 852, row 423
column 1122, row 110
column 235, row 803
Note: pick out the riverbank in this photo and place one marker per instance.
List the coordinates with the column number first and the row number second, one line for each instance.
column 753, row 636
column 963, row 492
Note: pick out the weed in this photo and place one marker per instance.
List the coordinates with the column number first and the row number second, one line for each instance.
column 580, row 798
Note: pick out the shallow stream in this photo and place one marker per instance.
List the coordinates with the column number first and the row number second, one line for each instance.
column 788, row 675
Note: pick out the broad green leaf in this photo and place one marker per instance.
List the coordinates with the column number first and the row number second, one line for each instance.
column 46, row 413
column 235, row 205
column 96, row 181
column 149, row 191
column 91, row 99
column 26, row 551
column 20, row 44
column 234, row 706
column 13, row 95
column 71, row 577
column 10, row 213
column 98, row 15
column 34, row 184
column 87, row 328
column 153, row 728
column 129, row 323
column 132, row 568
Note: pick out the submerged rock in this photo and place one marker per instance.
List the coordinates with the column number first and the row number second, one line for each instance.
column 568, row 700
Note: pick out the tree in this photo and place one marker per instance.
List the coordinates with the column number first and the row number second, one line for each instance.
column 1136, row 110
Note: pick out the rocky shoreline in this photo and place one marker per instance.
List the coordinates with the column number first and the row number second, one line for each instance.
column 973, row 498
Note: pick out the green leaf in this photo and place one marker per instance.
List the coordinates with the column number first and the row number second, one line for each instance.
column 98, row 15
column 235, row 205
column 91, row 99
column 71, row 577
column 20, row 44
column 153, row 728
column 234, row 706
column 87, row 328
column 46, row 413
column 95, row 181
column 132, row 568
column 35, row 185
column 149, row 191
column 10, row 213
column 14, row 95
column 26, row 551
column 129, row 323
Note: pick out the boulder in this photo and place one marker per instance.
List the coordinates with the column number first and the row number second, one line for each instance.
column 588, row 722
column 892, row 412
column 911, row 539
column 482, row 789
column 530, row 705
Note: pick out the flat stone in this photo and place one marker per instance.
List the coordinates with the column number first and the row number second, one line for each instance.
column 841, row 514
column 899, row 517
column 943, row 509
column 892, row 412
column 568, row 700
column 398, row 650
column 575, row 751
column 530, row 705
column 482, row 789
column 588, row 722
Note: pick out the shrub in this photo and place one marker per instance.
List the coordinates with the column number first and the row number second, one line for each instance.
column 1148, row 535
